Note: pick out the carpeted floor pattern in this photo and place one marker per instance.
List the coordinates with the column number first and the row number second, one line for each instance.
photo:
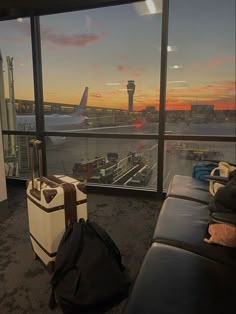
column 24, row 282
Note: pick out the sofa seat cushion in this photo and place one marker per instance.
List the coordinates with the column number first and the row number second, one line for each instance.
column 172, row 280
column 184, row 224
column 189, row 188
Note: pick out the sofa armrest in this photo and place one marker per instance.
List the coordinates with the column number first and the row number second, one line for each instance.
column 226, row 218
column 218, row 179
column 217, row 162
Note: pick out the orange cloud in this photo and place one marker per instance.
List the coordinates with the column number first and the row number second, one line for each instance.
column 95, row 95
column 220, row 94
column 211, row 91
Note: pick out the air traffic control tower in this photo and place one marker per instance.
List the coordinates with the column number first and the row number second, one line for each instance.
column 130, row 91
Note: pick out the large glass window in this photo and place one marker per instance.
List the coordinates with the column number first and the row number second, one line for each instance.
column 131, row 163
column 101, row 69
column 16, row 92
column 201, row 67
column 18, row 163
column 16, row 76
column 180, row 156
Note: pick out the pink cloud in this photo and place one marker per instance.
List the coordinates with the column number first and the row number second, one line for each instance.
column 131, row 70
column 218, row 61
column 215, row 62
column 74, row 40
column 122, row 68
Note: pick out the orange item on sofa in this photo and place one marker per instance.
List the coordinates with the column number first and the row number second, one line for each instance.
column 222, row 234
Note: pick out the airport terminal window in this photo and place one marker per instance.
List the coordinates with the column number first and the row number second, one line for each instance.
column 16, row 93
column 201, row 68
column 17, row 163
column 131, row 163
column 180, row 156
column 16, row 76
column 101, row 69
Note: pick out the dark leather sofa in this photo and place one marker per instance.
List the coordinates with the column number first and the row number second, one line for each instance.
column 181, row 273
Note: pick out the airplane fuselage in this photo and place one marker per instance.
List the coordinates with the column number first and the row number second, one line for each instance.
column 54, row 122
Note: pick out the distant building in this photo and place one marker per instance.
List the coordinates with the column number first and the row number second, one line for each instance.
column 151, row 109
column 202, row 113
column 200, row 107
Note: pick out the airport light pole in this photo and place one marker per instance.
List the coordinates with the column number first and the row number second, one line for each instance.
column 130, row 91
column 3, row 108
column 11, row 106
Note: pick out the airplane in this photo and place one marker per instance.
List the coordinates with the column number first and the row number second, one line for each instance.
column 74, row 122
column 57, row 122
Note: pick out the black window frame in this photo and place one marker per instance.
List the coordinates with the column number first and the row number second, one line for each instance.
column 161, row 137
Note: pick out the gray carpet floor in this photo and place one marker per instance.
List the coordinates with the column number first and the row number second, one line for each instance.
column 24, row 282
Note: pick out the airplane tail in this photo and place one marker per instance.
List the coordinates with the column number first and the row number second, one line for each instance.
column 80, row 109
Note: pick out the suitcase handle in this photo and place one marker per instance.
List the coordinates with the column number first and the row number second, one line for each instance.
column 37, row 193
column 35, row 148
column 50, row 183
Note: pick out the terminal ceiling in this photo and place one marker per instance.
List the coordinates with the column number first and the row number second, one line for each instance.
column 10, row 9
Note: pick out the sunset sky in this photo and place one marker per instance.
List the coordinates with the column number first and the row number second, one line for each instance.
column 104, row 48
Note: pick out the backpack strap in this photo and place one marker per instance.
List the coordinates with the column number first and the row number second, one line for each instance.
column 107, row 241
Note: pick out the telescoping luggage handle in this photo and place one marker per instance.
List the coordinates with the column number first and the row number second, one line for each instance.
column 35, row 147
column 36, row 152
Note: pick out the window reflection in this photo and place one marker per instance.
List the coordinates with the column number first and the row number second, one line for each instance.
column 17, row 164
column 181, row 156
column 103, row 161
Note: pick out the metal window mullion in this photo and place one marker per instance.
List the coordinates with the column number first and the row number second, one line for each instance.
column 38, row 84
column 104, row 135
column 163, row 77
column 173, row 137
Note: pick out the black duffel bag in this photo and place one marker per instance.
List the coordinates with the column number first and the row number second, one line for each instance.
column 89, row 276
column 224, row 200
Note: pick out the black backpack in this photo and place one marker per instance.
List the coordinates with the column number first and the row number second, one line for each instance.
column 224, row 201
column 89, row 276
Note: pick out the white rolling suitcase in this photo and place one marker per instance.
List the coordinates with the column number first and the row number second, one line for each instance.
column 53, row 203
